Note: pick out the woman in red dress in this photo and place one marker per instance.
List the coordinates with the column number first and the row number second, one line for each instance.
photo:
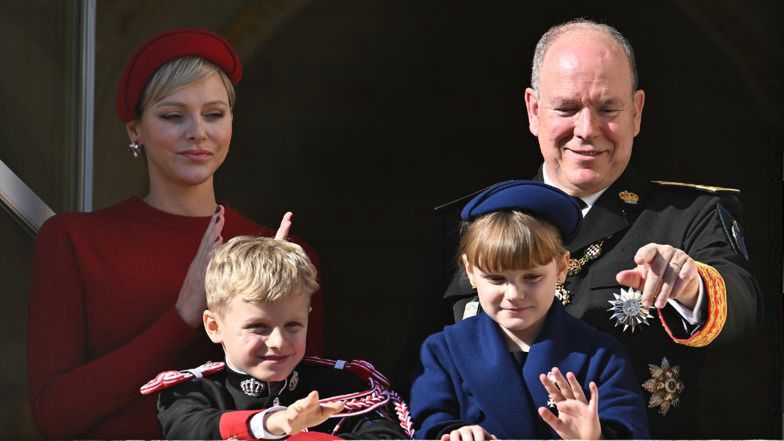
column 118, row 293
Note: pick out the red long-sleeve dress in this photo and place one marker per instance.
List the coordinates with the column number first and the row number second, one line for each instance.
column 102, row 317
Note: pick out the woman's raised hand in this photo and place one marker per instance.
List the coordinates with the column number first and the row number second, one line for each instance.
column 192, row 300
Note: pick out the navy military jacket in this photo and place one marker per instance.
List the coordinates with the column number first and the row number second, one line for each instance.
column 204, row 408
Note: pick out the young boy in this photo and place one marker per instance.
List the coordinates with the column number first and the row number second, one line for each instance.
column 500, row 372
column 258, row 300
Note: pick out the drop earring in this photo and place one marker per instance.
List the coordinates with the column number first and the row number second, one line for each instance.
column 135, row 149
column 561, row 293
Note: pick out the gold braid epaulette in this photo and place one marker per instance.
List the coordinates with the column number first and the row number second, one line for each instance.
column 717, row 308
column 708, row 188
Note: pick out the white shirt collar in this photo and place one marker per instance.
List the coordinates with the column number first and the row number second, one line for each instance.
column 589, row 200
column 231, row 366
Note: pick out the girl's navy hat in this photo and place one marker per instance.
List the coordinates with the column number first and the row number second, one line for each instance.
column 532, row 197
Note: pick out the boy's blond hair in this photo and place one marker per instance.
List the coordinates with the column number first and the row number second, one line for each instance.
column 509, row 240
column 257, row 269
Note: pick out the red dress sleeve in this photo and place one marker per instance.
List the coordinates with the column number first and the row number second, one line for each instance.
column 69, row 392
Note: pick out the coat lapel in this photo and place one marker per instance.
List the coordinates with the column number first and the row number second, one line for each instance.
column 560, row 345
column 490, row 374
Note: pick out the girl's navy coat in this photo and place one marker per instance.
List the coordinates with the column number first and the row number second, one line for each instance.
column 468, row 376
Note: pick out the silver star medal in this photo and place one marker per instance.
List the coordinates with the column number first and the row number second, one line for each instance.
column 628, row 311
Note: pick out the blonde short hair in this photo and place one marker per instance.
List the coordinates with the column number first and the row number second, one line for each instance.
column 257, row 269
column 509, row 240
column 177, row 74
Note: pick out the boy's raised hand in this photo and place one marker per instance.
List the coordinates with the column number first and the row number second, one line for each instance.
column 468, row 433
column 578, row 418
column 285, row 226
column 304, row 413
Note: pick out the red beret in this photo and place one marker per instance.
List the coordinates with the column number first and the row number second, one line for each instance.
column 165, row 47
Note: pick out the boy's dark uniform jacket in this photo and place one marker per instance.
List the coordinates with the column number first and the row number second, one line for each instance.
column 468, row 376
column 700, row 222
column 215, row 406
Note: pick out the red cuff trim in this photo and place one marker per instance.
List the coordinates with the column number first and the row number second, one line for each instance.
column 717, row 309
column 237, row 424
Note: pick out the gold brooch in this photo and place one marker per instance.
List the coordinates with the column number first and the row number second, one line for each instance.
column 629, row 197
column 575, row 266
column 665, row 386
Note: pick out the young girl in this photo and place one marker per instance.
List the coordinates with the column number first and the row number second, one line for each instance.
column 520, row 368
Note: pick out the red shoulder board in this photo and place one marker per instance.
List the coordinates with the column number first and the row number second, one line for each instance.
column 170, row 378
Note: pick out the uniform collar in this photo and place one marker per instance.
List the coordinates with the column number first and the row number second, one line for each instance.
column 589, row 200
column 255, row 388
column 613, row 211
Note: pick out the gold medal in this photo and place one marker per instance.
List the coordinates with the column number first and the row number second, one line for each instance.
column 629, row 197
column 628, row 311
column 665, row 386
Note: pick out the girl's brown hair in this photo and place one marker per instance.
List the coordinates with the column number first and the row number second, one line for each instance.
column 509, row 240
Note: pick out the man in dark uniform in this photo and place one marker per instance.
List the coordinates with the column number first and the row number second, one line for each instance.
column 678, row 245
